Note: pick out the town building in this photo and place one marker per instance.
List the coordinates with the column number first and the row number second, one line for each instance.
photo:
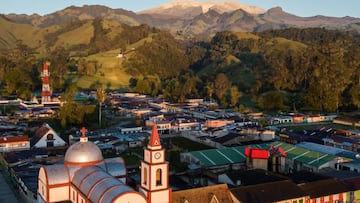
column 46, row 137
column 14, row 143
column 86, row 176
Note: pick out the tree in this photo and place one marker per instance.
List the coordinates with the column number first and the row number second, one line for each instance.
column 58, row 69
column 210, row 89
column 101, row 96
column 235, row 96
column 72, row 112
column 222, row 83
column 19, row 83
column 272, row 101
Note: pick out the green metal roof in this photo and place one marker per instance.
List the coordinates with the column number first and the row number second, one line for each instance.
column 223, row 156
column 231, row 155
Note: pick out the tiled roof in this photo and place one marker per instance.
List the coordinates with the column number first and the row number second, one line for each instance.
column 203, row 194
column 254, row 176
column 268, row 192
column 40, row 133
column 10, row 139
column 154, row 140
column 353, row 183
column 316, row 189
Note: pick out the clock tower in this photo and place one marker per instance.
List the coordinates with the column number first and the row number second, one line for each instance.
column 155, row 171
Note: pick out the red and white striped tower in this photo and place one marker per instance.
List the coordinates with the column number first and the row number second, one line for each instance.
column 45, row 94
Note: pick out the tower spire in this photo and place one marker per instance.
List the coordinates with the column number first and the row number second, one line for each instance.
column 46, row 93
column 155, row 171
column 154, row 141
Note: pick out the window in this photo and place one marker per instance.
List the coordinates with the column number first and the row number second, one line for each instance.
column 158, row 177
column 73, row 195
column 50, row 137
column 50, row 144
column 145, row 176
column 50, row 140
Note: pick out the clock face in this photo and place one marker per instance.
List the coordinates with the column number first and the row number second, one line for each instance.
column 157, row 155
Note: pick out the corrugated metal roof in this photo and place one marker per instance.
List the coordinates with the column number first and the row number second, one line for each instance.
column 82, row 173
column 57, row 174
column 91, row 180
column 230, row 155
column 306, row 156
column 107, row 190
column 115, row 166
column 223, row 156
column 95, row 183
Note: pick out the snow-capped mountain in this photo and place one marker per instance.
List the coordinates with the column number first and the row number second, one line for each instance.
column 190, row 8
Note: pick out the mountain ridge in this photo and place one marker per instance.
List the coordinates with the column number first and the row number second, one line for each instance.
column 188, row 9
column 202, row 25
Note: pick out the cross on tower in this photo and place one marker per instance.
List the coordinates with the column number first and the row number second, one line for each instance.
column 83, row 132
column 83, row 137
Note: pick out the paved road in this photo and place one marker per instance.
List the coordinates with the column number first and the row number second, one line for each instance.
column 7, row 194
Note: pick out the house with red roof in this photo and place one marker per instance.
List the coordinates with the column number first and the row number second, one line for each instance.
column 46, row 137
column 14, row 143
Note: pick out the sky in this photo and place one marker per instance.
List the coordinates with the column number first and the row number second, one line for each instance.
column 304, row 8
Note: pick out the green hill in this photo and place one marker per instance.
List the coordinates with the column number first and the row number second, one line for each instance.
column 282, row 44
column 80, row 35
column 11, row 32
column 111, row 72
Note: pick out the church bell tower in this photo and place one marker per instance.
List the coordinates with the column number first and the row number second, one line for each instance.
column 155, row 171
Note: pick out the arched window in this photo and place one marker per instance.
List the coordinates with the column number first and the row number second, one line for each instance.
column 145, row 176
column 158, row 177
column 74, row 196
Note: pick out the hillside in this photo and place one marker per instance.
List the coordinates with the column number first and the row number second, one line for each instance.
column 96, row 42
column 11, row 32
column 213, row 55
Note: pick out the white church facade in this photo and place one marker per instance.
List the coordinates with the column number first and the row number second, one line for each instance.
column 86, row 177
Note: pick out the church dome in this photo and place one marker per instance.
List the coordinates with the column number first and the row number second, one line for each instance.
column 83, row 153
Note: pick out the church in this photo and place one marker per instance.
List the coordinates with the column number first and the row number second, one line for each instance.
column 87, row 177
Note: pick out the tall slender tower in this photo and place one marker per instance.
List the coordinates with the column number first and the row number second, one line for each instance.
column 45, row 93
column 155, row 172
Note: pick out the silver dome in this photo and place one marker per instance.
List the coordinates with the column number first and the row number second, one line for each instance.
column 83, row 153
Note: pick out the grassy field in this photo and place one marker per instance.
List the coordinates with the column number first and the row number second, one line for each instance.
column 282, row 44
column 246, row 35
column 81, row 35
column 111, row 73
